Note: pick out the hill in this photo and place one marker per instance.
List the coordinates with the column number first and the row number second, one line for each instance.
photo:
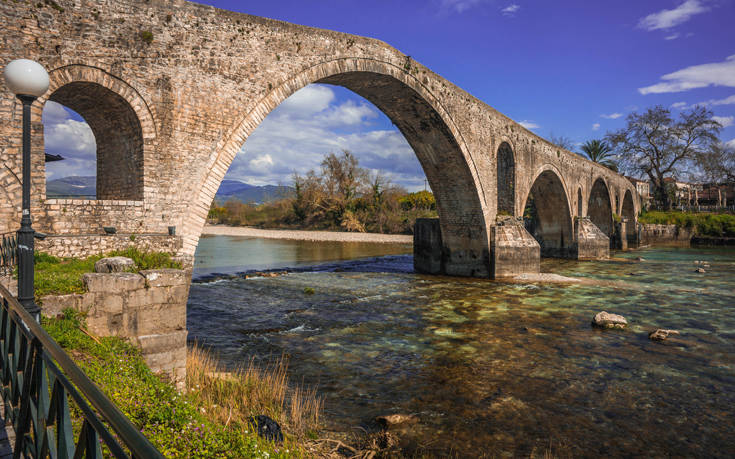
column 234, row 189
column 72, row 186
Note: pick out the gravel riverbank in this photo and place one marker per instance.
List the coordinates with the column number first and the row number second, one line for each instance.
column 212, row 230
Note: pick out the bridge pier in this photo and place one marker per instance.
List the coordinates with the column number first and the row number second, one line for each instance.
column 620, row 237
column 514, row 250
column 592, row 244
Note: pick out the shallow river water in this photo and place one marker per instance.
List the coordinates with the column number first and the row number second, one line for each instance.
column 489, row 368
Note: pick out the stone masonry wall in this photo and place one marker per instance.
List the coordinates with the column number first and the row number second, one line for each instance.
column 85, row 245
column 146, row 308
column 664, row 234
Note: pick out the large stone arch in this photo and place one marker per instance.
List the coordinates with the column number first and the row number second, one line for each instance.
column 552, row 224
column 506, row 179
column 600, row 207
column 425, row 124
column 122, row 123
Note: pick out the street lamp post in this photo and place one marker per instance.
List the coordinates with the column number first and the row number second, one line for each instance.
column 28, row 80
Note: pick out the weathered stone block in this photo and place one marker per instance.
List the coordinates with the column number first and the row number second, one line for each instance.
column 165, row 277
column 114, row 265
column 592, row 244
column 427, row 246
column 113, row 282
column 164, row 342
column 514, row 250
column 161, row 318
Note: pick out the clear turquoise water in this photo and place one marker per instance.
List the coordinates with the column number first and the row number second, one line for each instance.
column 497, row 368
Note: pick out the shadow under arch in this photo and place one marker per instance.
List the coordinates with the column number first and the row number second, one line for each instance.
column 599, row 207
column 579, row 202
column 427, row 128
column 628, row 212
column 547, row 216
column 506, row 180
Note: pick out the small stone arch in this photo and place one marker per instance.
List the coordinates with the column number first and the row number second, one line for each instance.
column 506, row 179
column 547, row 214
column 122, row 123
column 599, row 207
column 628, row 213
column 579, row 202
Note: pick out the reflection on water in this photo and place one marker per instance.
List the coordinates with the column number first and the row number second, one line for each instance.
column 229, row 254
column 500, row 368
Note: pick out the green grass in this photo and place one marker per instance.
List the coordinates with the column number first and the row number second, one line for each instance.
column 60, row 276
column 173, row 422
column 705, row 224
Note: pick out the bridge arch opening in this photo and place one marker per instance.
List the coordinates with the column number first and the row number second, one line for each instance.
column 546, row 215
column 599, row 207
column 113, row 154
column 628, row 213
column 506, row 180
column 424, row 124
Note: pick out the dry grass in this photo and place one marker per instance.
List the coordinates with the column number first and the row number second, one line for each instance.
column 233, row 397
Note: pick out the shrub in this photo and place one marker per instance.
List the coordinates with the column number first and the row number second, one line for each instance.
column 704, row 224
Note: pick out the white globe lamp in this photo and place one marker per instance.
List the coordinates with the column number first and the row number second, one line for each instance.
column 25, row 77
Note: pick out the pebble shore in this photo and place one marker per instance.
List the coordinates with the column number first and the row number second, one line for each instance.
column 335, row 236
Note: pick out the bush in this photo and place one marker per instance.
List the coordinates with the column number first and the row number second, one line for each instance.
column 704, row 224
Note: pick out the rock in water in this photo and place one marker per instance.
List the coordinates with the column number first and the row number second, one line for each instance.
column 640, row 259
column 660, row 334
column 700, row 270
column 114, row 265
column 606, row 320
column 267, row 428
column 393, row 420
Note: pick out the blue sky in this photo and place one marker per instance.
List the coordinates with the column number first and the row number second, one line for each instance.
column 571, row 68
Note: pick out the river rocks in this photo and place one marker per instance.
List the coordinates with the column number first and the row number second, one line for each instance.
column 661, row 334
column 395, row 420
column 114, row 265
column 640, row 259
column 606, row 320
column 700, row 270
column 267, row 428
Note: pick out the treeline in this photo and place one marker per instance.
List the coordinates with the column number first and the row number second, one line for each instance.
column 340, row 196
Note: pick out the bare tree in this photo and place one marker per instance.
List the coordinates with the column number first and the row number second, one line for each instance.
column 718, row 163
column 656, row 145
column 561, row 141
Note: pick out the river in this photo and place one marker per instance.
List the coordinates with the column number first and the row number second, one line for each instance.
column 489, row 368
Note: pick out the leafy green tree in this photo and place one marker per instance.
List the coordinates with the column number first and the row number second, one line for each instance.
column 598, row 151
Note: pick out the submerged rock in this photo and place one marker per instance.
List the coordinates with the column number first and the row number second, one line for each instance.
column 640, row 259
column 114, row 265
column 700, row 270
column 267, row 428
column 661, row 334
column 606, row 320
column 394, row 420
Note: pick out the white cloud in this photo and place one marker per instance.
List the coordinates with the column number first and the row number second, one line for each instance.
column 460, row 6
column 287, row 141
column 679, row 105
column 696, row 76
column 54, row 113
column 673, row 36
column 726, row 101
column 596, row 126
column 725, row 121
column 510, row 10
column 612, row 116
column 308, row 100
column 529, row 124
column 666, row 19
column 730, row 143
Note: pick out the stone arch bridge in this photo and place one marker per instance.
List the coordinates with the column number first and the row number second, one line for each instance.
column 172, row 90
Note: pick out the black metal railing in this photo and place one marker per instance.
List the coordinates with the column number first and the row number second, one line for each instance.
column 39, row 384
column 8, row 253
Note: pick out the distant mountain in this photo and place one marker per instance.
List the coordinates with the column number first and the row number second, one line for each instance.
column 234, row 189
column 72, row 186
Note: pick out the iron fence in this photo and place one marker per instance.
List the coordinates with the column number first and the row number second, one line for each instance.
column 39, row 384
column 8, row 253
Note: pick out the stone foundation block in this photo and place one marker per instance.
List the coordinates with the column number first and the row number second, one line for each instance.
column 165, row 277
column 113, row 282
column 514, row 250
column 592, row 244
column 427, row 246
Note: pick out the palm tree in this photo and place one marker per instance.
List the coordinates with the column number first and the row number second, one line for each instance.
column 598, row 151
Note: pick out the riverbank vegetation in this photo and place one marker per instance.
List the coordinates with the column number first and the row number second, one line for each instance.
column 60, row 276
column 705, row 224
column 208, row 420
column 340, row 196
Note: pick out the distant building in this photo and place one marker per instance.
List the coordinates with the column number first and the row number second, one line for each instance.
column 642, row 187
